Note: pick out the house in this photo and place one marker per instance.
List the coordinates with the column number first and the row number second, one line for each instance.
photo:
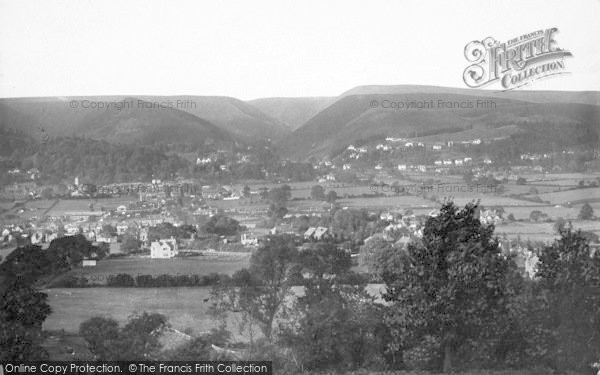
column 447, row 162
column 437, row 147
column 89, row 263
column 346, row 167
column 122, row 228
column 490, row 217
column 249, row 239
column 438, row 162
column 71, row 229
column 282, row 229
column 37, row 238
column 104, row 238
column 308, row 235
column 91, row 235
column 387, row 216
column 143, row 234
column 401, row 167
column 121, row 209
column 317, row 234
column 458, row 162
column 322, row 233
column 211, row 193
column 164, row 248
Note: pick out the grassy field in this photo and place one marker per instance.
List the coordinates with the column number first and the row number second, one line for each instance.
column 202, row 265
column 185, row 307
column 578, row 195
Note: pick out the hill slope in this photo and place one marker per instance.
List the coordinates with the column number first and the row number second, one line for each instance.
column 581, row 97
column 351, row 119
column 143, row 120
column 292, row 112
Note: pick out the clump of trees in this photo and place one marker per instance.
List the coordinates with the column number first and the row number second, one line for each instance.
column 586, row 212
column 222, row 225
column 453, row 302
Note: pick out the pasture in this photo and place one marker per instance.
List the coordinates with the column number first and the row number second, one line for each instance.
column 185, row 307
column 199, row 265
column 573, row 196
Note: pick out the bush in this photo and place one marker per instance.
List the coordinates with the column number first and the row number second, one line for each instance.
column 120, row 280
column 427, row 355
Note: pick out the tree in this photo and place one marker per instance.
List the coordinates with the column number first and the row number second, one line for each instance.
column 222, row 225
column 278, row 198
column 137, row 340
column 521, row 181
column 102, row 336
column 449, row 286
column 129, row 244
column 535, row 215
column 335, row 324
column 260, row 290
column 317, row 193
column 22, row 312
column 559, row 225
column 586, row 212
column 331, row 196
column 246, row 191
column 569, row 272
column 369, row 253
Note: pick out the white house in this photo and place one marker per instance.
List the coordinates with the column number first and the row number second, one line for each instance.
column 248, row 239
column 37, row 238
column 163, row 248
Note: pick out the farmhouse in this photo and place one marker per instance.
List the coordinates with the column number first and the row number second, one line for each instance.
column 163, row 248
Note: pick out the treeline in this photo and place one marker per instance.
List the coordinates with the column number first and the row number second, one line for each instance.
column 23, row 309
column 102, row 162
column 31, row 264
column 125, row 280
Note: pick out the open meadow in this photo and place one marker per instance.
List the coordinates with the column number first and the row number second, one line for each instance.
column 185, row 307
column 197, row 265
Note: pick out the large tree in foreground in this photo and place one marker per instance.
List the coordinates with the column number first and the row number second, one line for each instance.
column 259, row 291
column 569, row 274
column 449, row 287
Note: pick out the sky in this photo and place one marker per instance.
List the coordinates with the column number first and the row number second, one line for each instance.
column 271, row 48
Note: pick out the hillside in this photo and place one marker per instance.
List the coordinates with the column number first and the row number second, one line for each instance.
column 207, row 120
column 351, row 119
column 581, row 97
column 292, row 112
column 244, row 121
